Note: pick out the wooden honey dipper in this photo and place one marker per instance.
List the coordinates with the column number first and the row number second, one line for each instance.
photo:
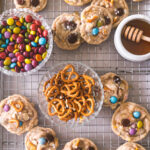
column 134, row 34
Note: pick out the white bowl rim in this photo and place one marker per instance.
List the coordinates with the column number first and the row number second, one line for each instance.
column 74, row 124
column 118, row 43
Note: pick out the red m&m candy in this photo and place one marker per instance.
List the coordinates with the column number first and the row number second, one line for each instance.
column 33, row 27
column 28, row 19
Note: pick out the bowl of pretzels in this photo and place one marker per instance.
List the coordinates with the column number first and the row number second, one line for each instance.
column 70, row 93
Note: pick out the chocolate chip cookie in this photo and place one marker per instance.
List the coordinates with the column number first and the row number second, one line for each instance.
column 34, row 5
column 66, row 31
column 118, row 9
column 77, row 2
column 17, row 114
column 115, row 90
column 40, row 138
column 96, row 24
column 131, row 146
column 131, row 122
column 80, row 144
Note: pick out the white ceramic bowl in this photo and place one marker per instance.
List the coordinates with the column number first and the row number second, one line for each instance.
column 81, row 69
column 23, row 12
column 118, row 43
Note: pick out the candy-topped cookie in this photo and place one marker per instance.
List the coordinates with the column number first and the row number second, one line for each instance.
column 131, row 146
column 40, row 138
column 80, row 144
column 96, row 24
column 115, row 90
column 17, row 114
column 34, row 5
column 131, row 122
column 66, row 31
column 118, row 9
column 77, row 2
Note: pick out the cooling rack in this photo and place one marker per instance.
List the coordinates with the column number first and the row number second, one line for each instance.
column 102, row 59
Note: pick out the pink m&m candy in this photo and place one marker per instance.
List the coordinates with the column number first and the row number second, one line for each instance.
column 6, row 108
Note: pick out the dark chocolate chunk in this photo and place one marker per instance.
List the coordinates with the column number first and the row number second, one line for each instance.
column 70, row 25
column 49, row 137
column 117, row 79
column 119, row 11
column 125, row 122
column 91, row 148
column 35, row 2
column 72, row 38
column 21, row 2
column 107, row 20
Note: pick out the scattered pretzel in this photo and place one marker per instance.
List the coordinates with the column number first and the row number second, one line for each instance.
column 69, row 94
column 17, row 105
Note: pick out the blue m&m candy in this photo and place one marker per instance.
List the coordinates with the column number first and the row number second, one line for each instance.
column 20, row 123
column 113, row 99
column 42, row 41
column 95, row 31
column 34, row 44
column 136, row 114
column 42, row 141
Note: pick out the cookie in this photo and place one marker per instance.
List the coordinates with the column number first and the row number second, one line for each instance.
column 131, row 146
column 115, row 90
column 131, row 122
column 17, row 114
column 96, row 24
column 77, row 2
column 66, row 31
column 80, row 144
column 118, row 9
column 40, row 138
column 34, row 5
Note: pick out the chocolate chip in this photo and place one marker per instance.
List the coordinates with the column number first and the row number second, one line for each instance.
column 34, row 2
column 50, row 137
column 117, row 79
column 107, row 20
column 91, row 148
column 125, row 122
column 70, row 25
column 21, row 2
column 119, row 12
column 72, row 38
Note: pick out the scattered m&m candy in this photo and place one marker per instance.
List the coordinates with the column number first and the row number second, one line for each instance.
column 113, row 99
column 6, row 108
column 136, row 114
column 42, row 141
column 95, row 31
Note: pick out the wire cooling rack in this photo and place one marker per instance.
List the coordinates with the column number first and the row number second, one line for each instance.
column 102, row 58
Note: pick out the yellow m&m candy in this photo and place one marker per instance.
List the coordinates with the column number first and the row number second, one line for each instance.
column 10, row 21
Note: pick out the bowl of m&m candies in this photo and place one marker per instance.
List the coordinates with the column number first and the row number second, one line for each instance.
column 26, row 42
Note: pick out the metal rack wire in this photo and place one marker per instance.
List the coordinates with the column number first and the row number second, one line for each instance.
column 102, row 58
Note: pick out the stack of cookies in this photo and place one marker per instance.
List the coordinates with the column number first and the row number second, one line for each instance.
column 92, row 26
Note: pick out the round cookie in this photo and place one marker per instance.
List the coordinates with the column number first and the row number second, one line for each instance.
column 17, row 114
column 96, row 24
column 115, row 90
column 66, row 31
column 118, row 9
column 80, row 144
column 34, row 5
column 131, row 146
column 40, row 138
column 131, row 122
column 77, row 2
